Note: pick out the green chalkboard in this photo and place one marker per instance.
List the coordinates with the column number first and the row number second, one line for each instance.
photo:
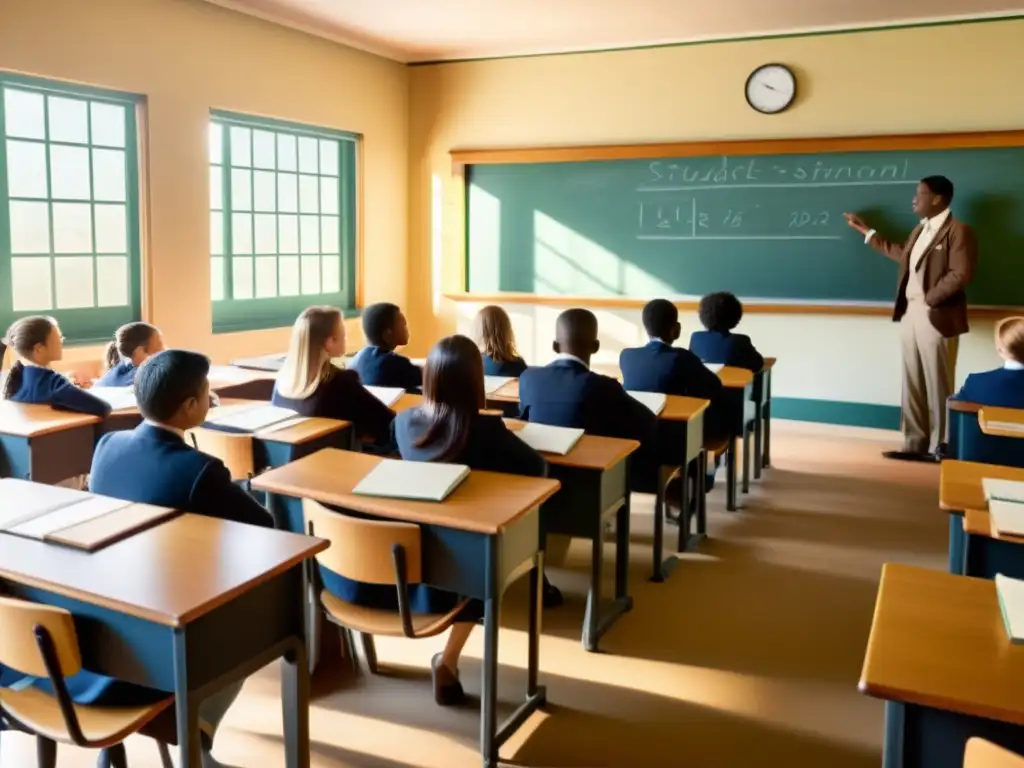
column 763, row 226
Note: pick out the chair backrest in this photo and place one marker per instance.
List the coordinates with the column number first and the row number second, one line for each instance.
column 233, row 449
column 361, row 549
column 18, row 646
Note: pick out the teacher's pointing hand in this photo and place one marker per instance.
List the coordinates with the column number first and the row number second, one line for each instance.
column 856, row 222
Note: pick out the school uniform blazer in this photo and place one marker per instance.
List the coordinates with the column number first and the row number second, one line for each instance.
column 1001, row 388
column 342, row 396
column 660, row 367
column 121, row 375
column 733, row 349
column 513, row 368
column 379, row 367
column 43, row 386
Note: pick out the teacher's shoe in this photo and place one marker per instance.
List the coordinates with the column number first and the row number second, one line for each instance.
column 927, row 458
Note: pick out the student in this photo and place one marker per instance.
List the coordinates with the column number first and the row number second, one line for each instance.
column 566, row 393
column 311, row 385
column 38, row 343
column 493, row 333
column 1002, row 387
column 153, row 464
column 719, row 314
column 133, row 344
column 377, row 364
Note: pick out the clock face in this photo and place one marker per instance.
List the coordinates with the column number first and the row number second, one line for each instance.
column 771, row 88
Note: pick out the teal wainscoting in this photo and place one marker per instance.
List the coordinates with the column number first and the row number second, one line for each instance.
column 835, row 412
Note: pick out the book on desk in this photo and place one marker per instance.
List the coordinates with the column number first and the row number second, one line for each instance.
column 1003, row 490
column 387, row 395
column 415, row 480
column 249, row 418
column 118, row 398
column 547, row 439
column 1010, row 593
column 493, row 383
column 655, row 401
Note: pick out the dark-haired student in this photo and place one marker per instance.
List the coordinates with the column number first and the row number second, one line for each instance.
column 153, row 464
column 377, row 364
column 38, row 343
column 311, row 385
column 1002, row 387
column 720, row 313
column 492, row 331
column 133, row 344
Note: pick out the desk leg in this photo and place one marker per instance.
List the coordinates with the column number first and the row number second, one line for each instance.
column 622, row 550
column 533, row 630
column 592, row 616
column 892, row 742
column 702, row 494
column 758, row 437
column 659, row 528
column 295, row 705
column 489, row 668
column 186, row 709
column 767, row 458
column 596, row 622
column 730, row 475
column 746, row 459
column 956, row 544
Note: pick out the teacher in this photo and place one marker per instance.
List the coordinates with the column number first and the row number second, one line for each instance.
column 936, row 265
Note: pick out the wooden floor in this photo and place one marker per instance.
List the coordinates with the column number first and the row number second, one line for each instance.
column 748, row 656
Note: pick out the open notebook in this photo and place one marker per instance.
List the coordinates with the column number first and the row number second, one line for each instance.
column 1003, row 490
column 493, row 383
column 249, row 418
column 1011, row 604
column 1007, row 517
column 416, row 480
column 118, row 398
column 548, row 439
column 387, row 395
column 1008, row 426
column 653, row 400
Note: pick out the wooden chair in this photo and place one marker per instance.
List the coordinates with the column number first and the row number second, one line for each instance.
column 235, row 450
column 40, row 640
column 373, row 552
column 984, row 754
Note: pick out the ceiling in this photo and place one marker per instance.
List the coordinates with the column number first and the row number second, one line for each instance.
column 433, row 30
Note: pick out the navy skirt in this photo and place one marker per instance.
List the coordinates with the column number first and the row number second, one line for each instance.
column 422, row 599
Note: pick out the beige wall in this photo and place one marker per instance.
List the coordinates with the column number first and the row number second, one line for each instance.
column 950, row 78
column 186, row 57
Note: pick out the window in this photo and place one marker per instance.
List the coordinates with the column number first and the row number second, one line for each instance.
column 282, row 221
column 69, row 206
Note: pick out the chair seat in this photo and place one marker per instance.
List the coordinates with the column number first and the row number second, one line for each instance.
column 719, row 447
column 39, row 712
column 376, row 621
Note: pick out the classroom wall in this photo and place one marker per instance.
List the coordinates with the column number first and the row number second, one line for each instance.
column 928, row 79
column 186, row 57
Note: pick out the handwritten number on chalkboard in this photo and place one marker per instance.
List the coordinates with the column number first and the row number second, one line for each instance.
column 733, row 218
column 800, row 219
column 702, row 220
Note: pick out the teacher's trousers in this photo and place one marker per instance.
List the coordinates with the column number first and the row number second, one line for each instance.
column 929, row 364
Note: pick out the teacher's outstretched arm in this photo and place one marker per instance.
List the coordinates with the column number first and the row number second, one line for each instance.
column 885, row 247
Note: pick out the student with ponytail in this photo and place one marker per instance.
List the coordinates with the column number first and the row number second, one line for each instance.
column 133, row 344
column 37, row 342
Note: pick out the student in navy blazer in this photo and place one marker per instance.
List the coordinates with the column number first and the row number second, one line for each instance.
column 719, row 314
column 38, row 343
column 132, row 345
column 377, row 364
column 153, row 464
column 311, row 385
column 1002, row 387
column 492, row 331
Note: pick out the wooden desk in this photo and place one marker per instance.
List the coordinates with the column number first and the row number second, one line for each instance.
column 986, row 551
column 267, row 363
column 42, row 444
column 740, row 412
column 985, row 754
column 483, row 536
column 229, row 381
column 1001, row 421
column 683, row 420
column 763, row 417
column 186, row 607
column 595, row 486
column 508, row 393
column 959, row 490
column 939, row 655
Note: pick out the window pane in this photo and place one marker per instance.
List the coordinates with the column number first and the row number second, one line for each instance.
column 111, row 229
column 328, row 195
column 329, row 234
column 69, row 121
column 329, row 157
column 216, row 187
column 308, row 155
column 26, row 169
column 286, row 153
column 309, row 235
column 241, row 233
column 330, row 273
column 309, row 198
column 30, row 279
column 74, row 282
column 287, row 193
column 263, row 149
column 69, row 173
column 112, row 281
column 30, row 228
column 107, row 124
column 241, row 190
column 241, row 150
column 108, row 182
column 289, row 272
column 217, row 233
column 23, row 114
column 216, row 139
column 217, row 279
column 288, row 234
column 241, row 276
column 266, row 277
column 266, row 233
column 264, row 191
column 72, row 228
column 310, row 275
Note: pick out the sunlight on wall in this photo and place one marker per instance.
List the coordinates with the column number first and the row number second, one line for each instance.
column 436, row 240
column 485, row 238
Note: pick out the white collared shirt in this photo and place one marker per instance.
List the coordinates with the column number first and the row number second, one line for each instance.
column 564, row 356
column 1013, row 365
column 660, row 341
column 929, row 228
column 166, row 427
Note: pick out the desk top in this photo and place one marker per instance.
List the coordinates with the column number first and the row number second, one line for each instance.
column 990, row 420
column 769, row 363
column 271, row 363
column 170, row 574
column 978, row 522
column 591, row 452
column 678, row 408
column 485, row 502
column 962, row 406
column 506, row 393
column 224, row 376
column 23, row 420
column 306, row 429
column 735, row 378
column 960, row 483
column 985, row 754
column 938, row 640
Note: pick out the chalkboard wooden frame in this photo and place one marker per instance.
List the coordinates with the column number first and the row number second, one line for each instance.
column 461, row 158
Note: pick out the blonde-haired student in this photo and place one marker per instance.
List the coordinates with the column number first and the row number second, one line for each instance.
column 132, row 345
column 1002, row 387
column 311, row 385
column 37, row 343
column 492, row 332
